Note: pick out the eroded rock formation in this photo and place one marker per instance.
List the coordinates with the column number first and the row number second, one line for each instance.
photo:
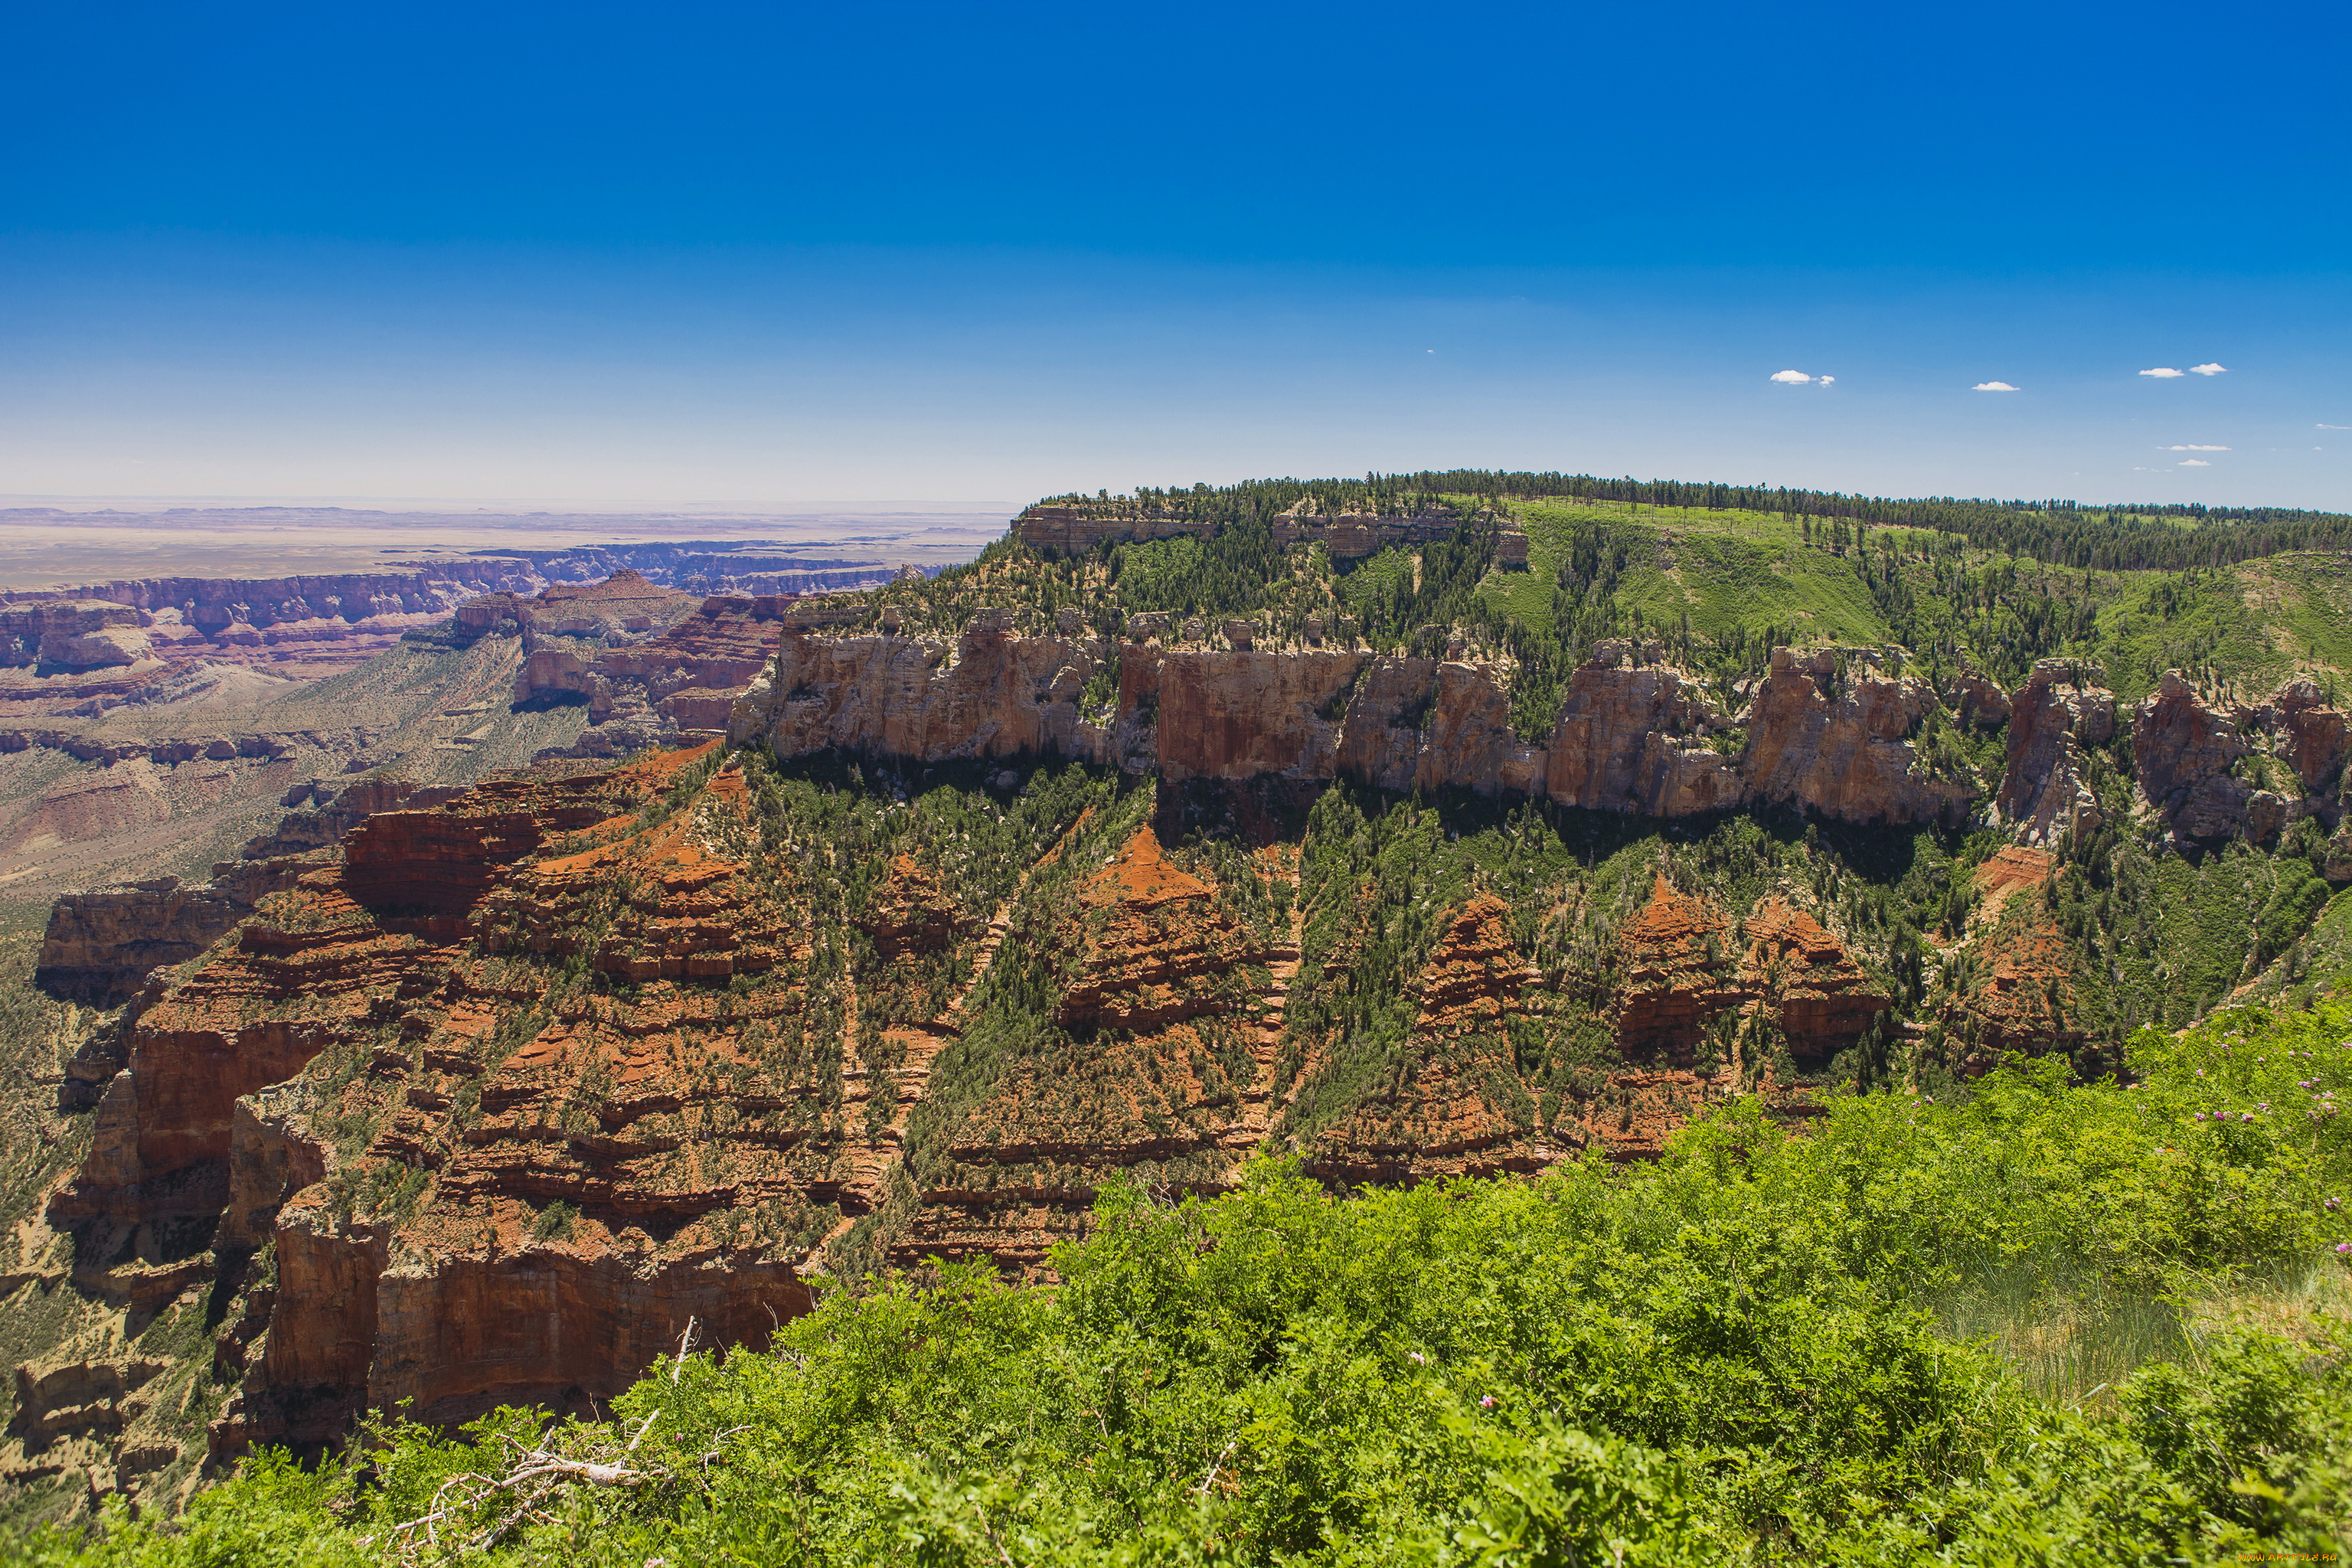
column 1166, row 1073
column 1697, row 986
column 2022, row 988
column 410, row 1143
column 2045, row 793
column 1454, row 1101
column 72, row 635
column 1676, row 978
column 2182, row 751
column 988, row 694
column 99, row 947
column 1831, row 729
column 1633, row 734
column 1805, row 983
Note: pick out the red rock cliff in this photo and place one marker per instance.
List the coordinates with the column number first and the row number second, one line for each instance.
column 2045, row 793
column 1831, row 730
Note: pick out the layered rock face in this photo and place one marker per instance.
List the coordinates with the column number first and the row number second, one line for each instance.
column 1805, row 983
column 1072, row 530
column 1351, row 535
column 653, row 666
column 1455, row 1102
column 1831, row 729
column 421, row 1116
column 621, row 605
column 309, row 626
column 2045, row 793
column 1677, row 977
column 988, row 694
column 1168, row 1072
column 684, row 683
column 2025, row 997
column 72, row 635
column 98, row 644
column 2182, row 751
column 1633, row 734
column 100, row 946
column 1697, row 987
column 514, row 1083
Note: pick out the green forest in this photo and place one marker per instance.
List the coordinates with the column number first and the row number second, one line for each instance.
column 2239, row 599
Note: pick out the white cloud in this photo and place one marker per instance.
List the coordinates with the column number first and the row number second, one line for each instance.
column 2195, row 463
column 2335, row 427
column 1827, row 379
column 1992, row 386
column 1792, row 377
column 2193, row 447
column 2208, row 369
column 2166, row 372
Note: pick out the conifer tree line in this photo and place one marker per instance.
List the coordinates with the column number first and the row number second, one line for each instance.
column 2116, row 537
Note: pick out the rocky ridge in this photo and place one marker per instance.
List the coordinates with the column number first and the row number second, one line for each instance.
column 109, row 643
column 1633, row 734
column 1836, row 732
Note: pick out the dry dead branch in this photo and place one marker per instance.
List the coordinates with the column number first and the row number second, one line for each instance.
column 518, row 1492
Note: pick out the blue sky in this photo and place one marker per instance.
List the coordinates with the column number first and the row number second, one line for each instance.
column 961, row 256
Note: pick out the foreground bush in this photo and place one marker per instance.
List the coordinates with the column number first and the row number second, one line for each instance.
column 2054, row 1324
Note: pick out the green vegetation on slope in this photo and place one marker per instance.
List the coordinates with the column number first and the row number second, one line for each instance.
column 1720, row 580
column 2052, row 1325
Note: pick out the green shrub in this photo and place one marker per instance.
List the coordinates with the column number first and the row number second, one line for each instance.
column 2023, row 1330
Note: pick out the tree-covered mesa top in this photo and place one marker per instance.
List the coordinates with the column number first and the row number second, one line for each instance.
column 1536, row 568
column 2121, row 536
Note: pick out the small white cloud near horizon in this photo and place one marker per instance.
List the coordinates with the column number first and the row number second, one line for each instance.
column 1992, row 386
column 2164, row 371
column 1798, row 378
column 2192, row 447
column 2195, row 463
column 2208, row 369
column 2334, row 426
